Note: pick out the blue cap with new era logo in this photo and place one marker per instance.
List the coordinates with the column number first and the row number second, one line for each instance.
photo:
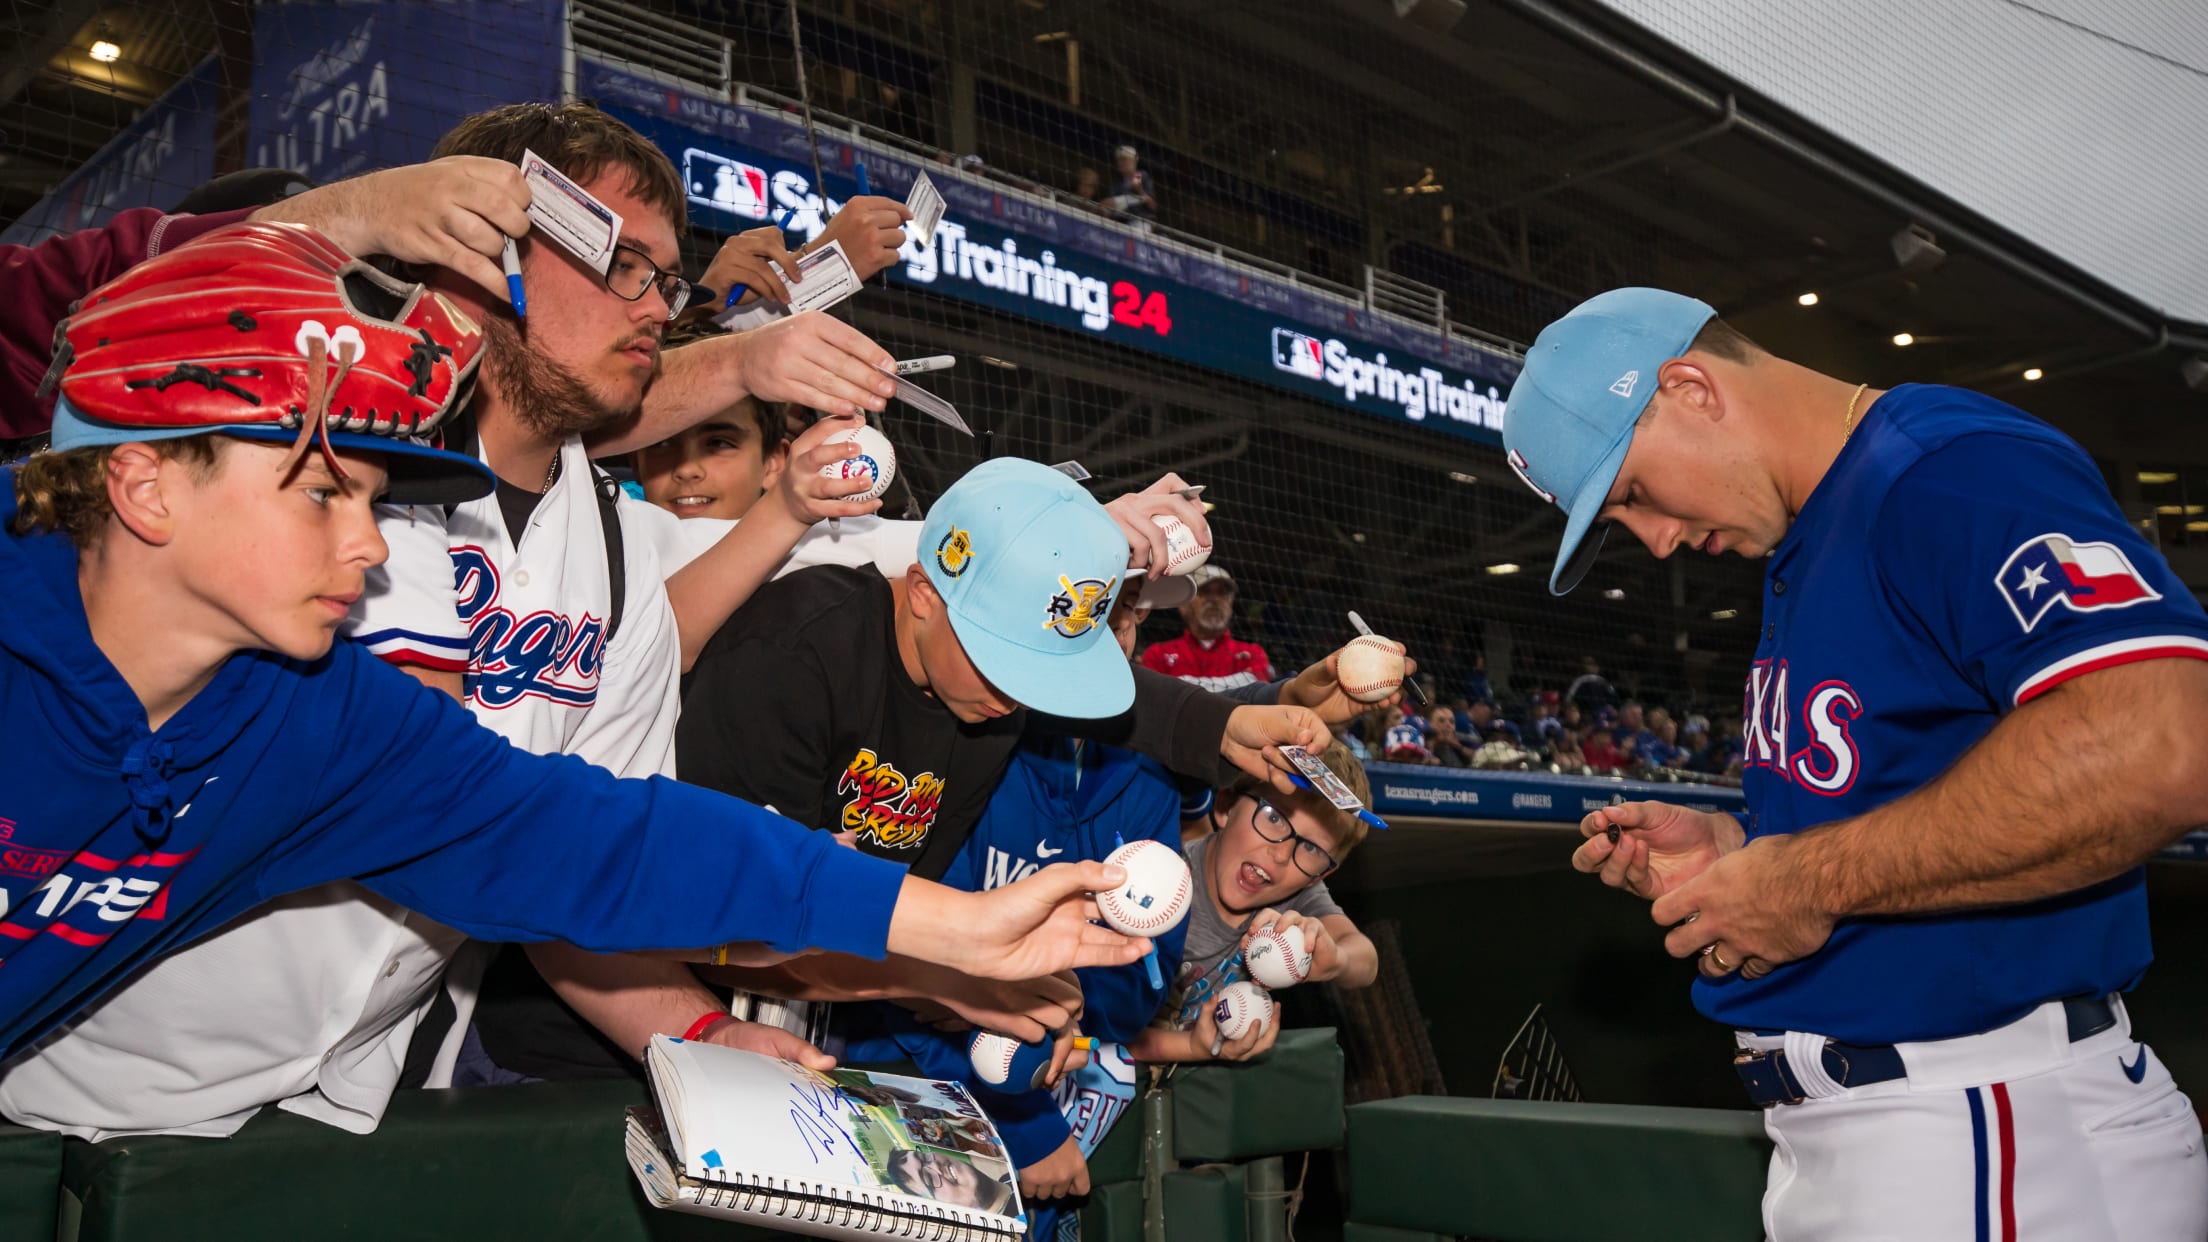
column 1571, row 413
column 1028, row 565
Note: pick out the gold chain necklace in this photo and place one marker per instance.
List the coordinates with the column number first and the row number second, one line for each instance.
column 1848, row 428
column 553, row 471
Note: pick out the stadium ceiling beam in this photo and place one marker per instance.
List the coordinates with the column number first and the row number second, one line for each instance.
column 23, row 63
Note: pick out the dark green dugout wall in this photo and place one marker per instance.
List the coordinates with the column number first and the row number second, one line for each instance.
column 1494, row 920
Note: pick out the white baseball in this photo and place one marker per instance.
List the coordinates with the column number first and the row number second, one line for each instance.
column 1277, row 957
column 995, row 1056
column 1155, row 896
column 1370, row 668
column 1182, row 553
column 1241, row 1008
column 876, row 461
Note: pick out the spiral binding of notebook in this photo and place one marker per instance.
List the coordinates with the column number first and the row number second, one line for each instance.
column 847, row 1154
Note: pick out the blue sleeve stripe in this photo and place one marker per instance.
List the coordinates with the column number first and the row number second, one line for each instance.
column 459, row 645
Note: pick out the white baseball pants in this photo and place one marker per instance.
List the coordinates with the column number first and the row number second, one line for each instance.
column 2016, row 1135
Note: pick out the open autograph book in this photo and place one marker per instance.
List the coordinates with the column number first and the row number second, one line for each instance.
column 845, row 1154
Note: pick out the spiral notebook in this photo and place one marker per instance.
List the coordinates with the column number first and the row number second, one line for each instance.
column 845, row 1154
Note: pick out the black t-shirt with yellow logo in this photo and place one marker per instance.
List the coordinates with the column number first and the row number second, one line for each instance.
column 801, row 703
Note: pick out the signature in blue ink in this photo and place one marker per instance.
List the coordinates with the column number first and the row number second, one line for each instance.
column 814, row 1109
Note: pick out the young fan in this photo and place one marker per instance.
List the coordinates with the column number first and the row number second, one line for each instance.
column 171, row 578
column 1061, row 798
column 1266, row 864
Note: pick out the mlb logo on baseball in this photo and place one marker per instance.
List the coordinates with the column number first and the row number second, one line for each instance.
column 1156, row 893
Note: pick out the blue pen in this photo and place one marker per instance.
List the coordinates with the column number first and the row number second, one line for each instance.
column 783, row 224
column 1150, row 959
column 512, row 258
column 863, row 187
column 1361, row 813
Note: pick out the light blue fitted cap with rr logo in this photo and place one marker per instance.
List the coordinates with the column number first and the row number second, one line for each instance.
column 1028, row 565
column 1571, row 414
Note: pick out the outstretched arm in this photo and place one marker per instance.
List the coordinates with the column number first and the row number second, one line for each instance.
column 819, row 362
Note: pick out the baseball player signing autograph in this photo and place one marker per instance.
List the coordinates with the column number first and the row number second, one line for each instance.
column 1921, row 927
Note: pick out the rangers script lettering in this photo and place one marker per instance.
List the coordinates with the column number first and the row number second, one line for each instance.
column 547, row 655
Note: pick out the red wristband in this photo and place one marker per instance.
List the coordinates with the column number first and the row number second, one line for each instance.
column 707, row 1023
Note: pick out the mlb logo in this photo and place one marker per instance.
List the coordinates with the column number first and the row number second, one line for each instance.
column 729, row 185
column 2082, row 577
column 1298, row 354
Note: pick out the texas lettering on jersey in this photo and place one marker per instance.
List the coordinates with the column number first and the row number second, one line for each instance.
column 887, row 808
column 1829, row 760
column 545, row 655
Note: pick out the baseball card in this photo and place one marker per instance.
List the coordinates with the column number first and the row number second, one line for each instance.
column 1324, row 782
column 926, row 205
column 568, row 214
column 928, row 403
column 824, row 278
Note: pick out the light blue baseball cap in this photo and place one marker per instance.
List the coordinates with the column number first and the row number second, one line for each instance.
column 1570, row 416
column 1028, row 565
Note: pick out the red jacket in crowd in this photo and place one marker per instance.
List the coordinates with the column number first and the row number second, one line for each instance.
column 1220, row 665
column 38, row 284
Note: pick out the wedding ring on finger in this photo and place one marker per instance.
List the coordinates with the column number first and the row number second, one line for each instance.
column 1718, row 960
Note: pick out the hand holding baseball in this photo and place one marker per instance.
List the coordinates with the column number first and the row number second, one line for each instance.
column 1208, row 1041
column 1033, row 927
column 1319, row 687
column 1149, row 545
column 808, row 490
column 1657, row 846
column 1326, row 957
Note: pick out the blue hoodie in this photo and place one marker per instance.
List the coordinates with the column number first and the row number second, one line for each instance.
column 1060, row 801
column 118, row 844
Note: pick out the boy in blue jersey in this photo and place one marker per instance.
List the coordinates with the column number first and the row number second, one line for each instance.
column 1060, row 799
column 1922, row 925
column 193, row 743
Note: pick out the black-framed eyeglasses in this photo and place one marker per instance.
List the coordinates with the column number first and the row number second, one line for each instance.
column 629, row 272
column 1309, row 856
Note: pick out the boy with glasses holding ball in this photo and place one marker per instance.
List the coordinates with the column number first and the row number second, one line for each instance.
column 1266, row 865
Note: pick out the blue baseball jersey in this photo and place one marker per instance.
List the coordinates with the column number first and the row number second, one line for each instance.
column 1958, row 559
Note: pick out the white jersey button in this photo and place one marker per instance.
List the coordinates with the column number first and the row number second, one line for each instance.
column 521, row 577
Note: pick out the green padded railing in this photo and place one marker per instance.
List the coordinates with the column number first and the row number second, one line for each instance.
column 1518, row 1170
